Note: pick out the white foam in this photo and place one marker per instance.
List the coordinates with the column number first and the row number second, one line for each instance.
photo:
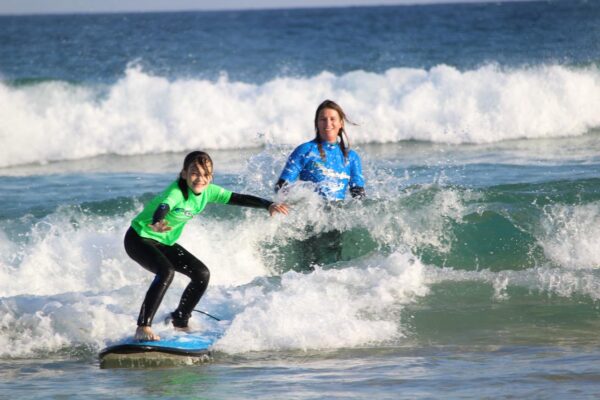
column 327, row 308
column 570, row 235
column 324, row 309
column 141, row 113
column 231, row 249
column 33, row 325
column 71, row 251
column 547, row 280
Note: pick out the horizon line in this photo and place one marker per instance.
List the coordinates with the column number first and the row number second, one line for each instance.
column 259, row 8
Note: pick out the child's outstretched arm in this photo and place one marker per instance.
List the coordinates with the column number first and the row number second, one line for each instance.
column 247, row 200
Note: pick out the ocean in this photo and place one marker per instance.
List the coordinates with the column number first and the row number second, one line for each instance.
column 471, row 270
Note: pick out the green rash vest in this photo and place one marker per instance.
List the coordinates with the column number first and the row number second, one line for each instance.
column 180, row 210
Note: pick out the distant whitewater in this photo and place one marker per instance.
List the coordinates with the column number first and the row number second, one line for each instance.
column 142, row 113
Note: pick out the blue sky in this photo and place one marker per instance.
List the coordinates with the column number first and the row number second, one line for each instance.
column 91, row 6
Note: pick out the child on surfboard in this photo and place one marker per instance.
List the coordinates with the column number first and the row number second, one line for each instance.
column 152, row 236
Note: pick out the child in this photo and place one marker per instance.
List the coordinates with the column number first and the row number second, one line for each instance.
column 151, row 239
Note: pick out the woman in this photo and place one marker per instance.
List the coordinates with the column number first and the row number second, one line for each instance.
column 327, row 160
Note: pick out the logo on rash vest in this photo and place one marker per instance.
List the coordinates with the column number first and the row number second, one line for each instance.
column 182, row 213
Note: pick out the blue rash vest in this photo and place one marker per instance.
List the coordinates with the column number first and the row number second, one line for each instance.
column 332, row 176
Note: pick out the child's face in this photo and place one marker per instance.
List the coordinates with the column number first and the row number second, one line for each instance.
column 329, row 124
column 197, row 177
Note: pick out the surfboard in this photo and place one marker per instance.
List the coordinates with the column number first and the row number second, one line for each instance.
column 179, row 349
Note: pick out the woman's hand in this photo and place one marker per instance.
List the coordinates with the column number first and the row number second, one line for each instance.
column 278, row 208
column 160, row 226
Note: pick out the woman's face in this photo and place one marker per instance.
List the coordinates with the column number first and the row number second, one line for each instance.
column 197, row 177
column 329, row 124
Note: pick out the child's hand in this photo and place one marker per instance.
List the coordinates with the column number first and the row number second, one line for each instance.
column 278, row 208
column 160, row 226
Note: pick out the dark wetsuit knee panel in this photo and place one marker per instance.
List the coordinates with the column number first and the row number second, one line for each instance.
column 202, row 274
column 186, row 263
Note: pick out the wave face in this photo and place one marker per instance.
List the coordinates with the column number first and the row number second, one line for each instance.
column 143, row 114
column 409, row 252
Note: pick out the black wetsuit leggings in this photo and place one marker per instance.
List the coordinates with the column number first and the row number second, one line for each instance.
column 164, row 261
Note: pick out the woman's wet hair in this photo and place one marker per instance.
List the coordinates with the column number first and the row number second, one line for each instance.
column 344, row 144
column 200, row 158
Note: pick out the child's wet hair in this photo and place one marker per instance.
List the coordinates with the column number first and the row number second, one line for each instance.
column 195, row 157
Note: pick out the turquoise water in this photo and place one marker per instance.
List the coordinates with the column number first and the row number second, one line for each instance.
column 470, row 271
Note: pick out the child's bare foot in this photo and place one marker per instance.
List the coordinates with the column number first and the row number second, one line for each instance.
column 145, row 334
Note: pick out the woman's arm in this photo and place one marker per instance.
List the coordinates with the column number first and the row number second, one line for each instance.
column 358, row 192
column 280, row 183
column 357, row 181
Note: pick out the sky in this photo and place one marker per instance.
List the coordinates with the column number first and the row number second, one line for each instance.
column 94, row 6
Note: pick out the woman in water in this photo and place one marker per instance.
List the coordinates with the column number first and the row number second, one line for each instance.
column 327, row 160
column 151, row 239
column 334, row 168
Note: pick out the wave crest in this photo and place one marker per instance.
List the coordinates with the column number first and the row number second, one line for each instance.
column 141, row 113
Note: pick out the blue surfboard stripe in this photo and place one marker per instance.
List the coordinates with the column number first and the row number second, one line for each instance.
column 186, row 345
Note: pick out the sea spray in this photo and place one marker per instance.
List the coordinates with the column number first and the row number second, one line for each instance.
column 570, row 235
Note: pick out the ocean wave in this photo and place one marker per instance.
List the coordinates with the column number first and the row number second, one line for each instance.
column 79, row 247
column 71, row 267
column 378, row 300
column 142, row 113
